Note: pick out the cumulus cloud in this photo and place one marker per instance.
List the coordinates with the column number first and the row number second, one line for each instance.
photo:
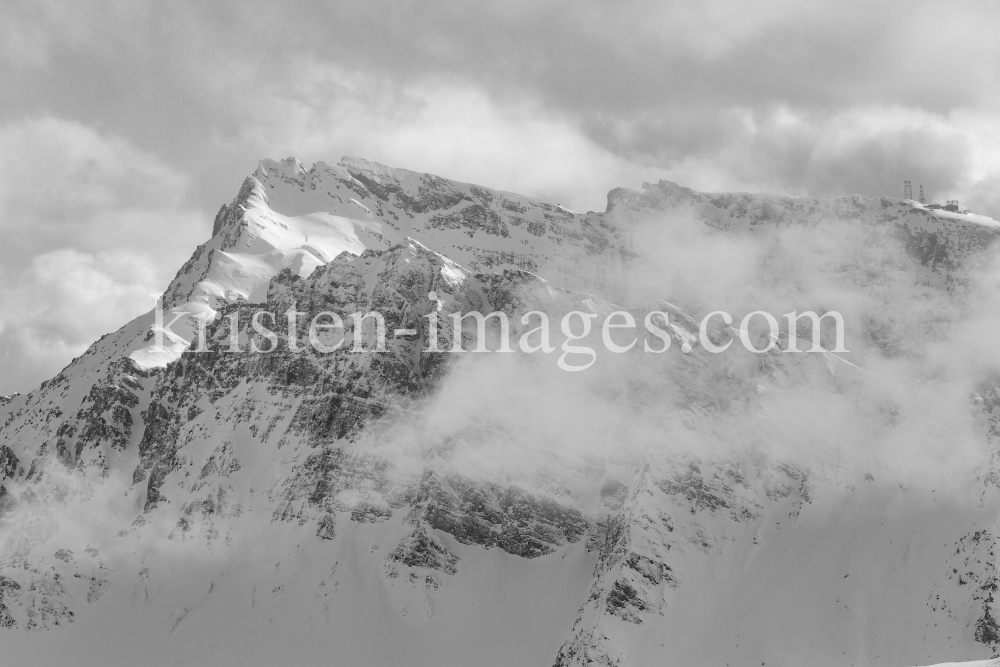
column 91, row 227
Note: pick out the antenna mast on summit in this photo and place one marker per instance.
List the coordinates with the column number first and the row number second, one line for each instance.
column 907, row 190
column 922, row 195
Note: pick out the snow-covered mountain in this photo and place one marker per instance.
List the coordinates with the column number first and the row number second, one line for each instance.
column 162, row 505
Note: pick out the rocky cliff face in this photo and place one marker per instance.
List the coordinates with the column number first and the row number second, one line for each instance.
column 405, row 507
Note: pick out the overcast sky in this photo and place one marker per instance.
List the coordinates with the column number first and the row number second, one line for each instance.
column 124, row 126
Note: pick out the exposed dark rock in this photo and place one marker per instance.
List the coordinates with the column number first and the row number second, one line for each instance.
column 422, row 549
column 624, row 601
column 522, row 524
column 365, row 512
column 8, row 463
column 326, row 527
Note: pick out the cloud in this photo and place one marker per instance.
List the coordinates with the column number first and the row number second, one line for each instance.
column 92, row 225
column 697, row 93
column 64, row 184
column 443, row 128
column 125, row 120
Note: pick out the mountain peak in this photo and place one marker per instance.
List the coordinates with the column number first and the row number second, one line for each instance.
column 327, row 495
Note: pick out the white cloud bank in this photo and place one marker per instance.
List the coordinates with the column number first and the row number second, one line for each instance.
column 91, row 226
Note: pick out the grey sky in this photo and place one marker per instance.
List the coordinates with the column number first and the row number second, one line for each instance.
column 124, row 126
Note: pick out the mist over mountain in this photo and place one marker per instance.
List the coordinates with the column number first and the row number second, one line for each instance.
column 164, row 505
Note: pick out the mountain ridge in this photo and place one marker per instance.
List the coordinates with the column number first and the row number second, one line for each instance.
column 449, row 465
